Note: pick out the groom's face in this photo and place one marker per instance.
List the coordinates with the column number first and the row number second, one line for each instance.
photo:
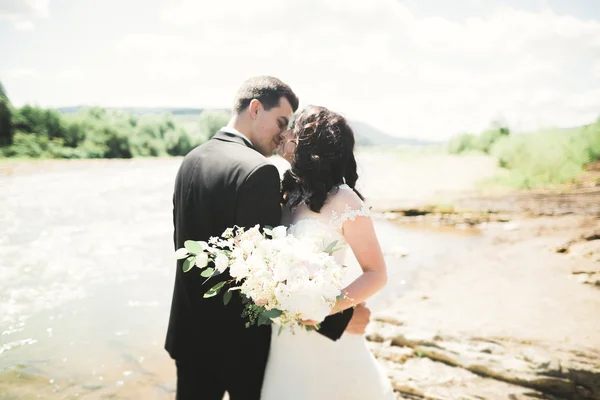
column 269, row 125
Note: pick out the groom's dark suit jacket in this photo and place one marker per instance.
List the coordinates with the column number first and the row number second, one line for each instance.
column 222, row 183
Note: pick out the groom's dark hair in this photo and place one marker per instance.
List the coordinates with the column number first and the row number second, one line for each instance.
column 266, row 89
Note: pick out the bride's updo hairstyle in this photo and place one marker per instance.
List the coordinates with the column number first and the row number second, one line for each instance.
column 323, row 159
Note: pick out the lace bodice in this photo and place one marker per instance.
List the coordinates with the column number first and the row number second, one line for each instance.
column 342, row 205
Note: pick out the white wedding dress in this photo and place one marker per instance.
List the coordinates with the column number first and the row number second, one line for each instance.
column 306, row 365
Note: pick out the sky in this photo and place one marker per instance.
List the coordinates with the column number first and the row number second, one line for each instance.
column 424, row 69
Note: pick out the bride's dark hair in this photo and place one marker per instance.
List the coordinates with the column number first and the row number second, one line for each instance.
column 323, row 159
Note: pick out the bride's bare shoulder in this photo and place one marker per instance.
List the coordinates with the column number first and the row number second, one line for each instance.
column 344, row 195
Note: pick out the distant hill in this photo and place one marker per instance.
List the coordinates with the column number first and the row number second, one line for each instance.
column 148, row 110
column 366, row 135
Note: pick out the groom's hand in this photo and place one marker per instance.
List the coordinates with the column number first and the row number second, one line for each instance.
column 360, row 320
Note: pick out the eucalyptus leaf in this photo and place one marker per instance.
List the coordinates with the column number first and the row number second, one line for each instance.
column 262, row 320
column 195, row 247
column 213, row 291
column 331, row 246
column 227, row 297
column 273, row 313
column 339, row 247
column 207, row 272
column 189, row 263
column 215, row 273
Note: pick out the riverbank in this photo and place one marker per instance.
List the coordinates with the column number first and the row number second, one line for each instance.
column 516, row 316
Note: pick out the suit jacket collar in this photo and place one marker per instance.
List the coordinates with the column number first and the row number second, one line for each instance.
column 230, row 137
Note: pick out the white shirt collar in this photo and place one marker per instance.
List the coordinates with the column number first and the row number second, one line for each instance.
column 235, row 132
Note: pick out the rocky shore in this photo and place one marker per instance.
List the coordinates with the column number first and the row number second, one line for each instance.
column 517, row 317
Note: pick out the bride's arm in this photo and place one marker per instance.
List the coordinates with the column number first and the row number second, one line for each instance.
column 362, row 239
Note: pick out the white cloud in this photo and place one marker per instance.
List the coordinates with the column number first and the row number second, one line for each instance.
column 71, row 75
column 17, row 9
column 425, row 77
column 379, row 62
column 21, row 12
column 24, row 25
column 596, row 69
column 22, row 73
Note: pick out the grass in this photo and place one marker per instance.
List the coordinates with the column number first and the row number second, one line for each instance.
column 547, row 159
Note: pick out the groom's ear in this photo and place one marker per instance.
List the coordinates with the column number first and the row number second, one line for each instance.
column 254, row 107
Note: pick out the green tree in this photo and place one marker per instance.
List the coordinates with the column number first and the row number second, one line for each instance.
column 462, row 143
column 486, row 140
column 591, row 134
column 41, row 122
column 210, row 122
column 6, row 119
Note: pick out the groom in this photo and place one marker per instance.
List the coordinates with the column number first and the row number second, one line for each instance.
column 228, row 181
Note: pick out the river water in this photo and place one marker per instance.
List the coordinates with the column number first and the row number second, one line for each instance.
column 86, row 276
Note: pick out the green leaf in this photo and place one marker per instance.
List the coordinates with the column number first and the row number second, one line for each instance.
column 189, row 263
column 273, row 313
column 262, row 320
column 214, row 274
column 331, row 246
column 269, row 227
column 213, row 291
column 207, row 272
column 227, row 297
column 339, row 247
column 194, row 247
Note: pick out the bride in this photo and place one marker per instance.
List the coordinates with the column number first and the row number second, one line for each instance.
column 320, row 199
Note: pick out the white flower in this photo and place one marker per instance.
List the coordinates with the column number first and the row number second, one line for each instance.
column 221, row 262
column 181, row 253
column 202, row 260
column 303, row 299
column 281, row 272
column 279, row 232
column 247, row 246
column 237, row 253
column 239, row 270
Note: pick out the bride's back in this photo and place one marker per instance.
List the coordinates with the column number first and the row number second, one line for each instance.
column 327, row 226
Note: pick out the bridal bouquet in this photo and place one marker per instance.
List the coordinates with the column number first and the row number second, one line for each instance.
column 282, row 278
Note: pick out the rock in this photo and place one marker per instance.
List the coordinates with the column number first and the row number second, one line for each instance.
column 592, row 236
column 389, row 318
column 398, row 251
column 395, row 354
column 583, row 242
column 566, row 373
column 414, row 339
column 427, row 379
column 511, row 226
